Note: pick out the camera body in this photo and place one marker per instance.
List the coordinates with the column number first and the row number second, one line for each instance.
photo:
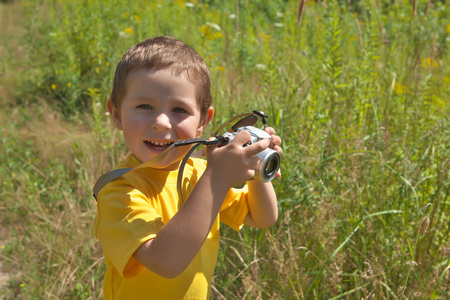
column 269, row 158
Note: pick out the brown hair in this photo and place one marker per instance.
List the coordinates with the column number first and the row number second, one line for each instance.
column 164, row 52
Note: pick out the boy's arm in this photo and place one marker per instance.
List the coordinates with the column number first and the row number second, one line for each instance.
column 262, row 204
column 180, row 239
column 262, row 199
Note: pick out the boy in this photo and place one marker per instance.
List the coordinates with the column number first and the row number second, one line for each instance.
column 154, row 246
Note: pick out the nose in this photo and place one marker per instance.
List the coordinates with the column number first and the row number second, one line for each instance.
column 161, row 122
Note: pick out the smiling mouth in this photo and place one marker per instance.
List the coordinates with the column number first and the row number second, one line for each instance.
column 159, row 146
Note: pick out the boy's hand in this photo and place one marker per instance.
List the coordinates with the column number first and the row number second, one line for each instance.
column 274, row 143
column 233, row 163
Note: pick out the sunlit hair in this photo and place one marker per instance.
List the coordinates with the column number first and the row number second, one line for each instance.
column 160, row 53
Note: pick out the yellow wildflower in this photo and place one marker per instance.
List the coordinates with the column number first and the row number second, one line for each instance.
column 267, row 38
column 207, row 32
column 129, row 30
column 137, row 18
column 69, row 84
column 211, row 56
column 53, row 86
column 448, row 29
column 399, row 89
column 429, row 62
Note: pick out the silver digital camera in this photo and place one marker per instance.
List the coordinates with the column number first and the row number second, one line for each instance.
column 269, row 158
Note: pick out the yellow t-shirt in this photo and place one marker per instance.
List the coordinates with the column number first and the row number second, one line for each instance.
column 133, row 208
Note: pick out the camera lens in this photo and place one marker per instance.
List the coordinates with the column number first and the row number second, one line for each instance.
column 271, row 167
column 270, row 163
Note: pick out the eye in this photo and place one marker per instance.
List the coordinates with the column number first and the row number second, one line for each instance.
column 179, row 110
column 144, row 106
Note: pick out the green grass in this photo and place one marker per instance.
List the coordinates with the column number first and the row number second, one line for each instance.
column 358, row 92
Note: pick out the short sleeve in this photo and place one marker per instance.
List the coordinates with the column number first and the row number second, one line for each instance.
column 235, row 208
column 124, row 221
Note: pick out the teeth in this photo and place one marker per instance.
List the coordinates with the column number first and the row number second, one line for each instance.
column 159, row 143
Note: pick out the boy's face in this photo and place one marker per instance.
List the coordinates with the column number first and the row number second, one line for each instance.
column 158, row 109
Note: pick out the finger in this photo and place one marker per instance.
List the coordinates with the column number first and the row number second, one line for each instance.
column 278, row 149
column 276, row 140
column 278, row 175
column 269, row 130
column 242, row 138
column 257, row 147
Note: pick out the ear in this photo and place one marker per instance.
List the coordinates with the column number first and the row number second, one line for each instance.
column 206, row 119
column 115, row 114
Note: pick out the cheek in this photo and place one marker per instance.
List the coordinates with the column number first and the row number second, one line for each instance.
column 133, row 130
column 134, row 122
column 188, row 127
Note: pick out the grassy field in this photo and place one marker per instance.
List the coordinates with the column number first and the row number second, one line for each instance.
column 359, row 91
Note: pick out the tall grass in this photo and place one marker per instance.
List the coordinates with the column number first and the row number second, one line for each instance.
column 358, row 91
